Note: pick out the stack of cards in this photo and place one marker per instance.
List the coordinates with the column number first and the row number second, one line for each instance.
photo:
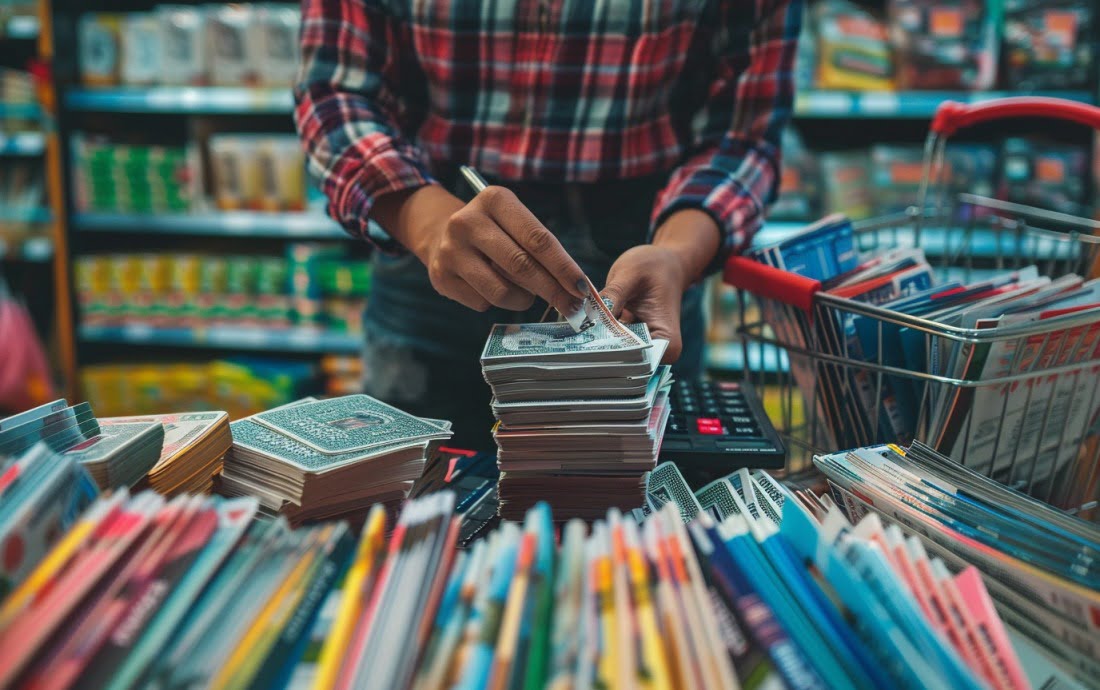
column 329, row 458
column 191, row 456
column 115, row 456
column 581, row 415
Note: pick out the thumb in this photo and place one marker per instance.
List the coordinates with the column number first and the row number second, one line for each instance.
column 619, row 290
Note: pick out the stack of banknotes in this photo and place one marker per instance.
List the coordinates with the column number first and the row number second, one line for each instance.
column 1039, row 563
column 195, row 592
column 115, row 455
column 581, row 415
column 331, row 458
column 191, row 455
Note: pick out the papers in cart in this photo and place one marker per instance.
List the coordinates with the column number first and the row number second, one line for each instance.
column 1039, row 564
column 1025, row 347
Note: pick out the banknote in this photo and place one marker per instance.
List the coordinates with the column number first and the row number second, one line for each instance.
column 557, row 341
column 667, row 485
column 348, row 424
column 180, row 430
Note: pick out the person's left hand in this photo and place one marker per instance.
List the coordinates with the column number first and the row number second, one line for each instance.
column 646, row 284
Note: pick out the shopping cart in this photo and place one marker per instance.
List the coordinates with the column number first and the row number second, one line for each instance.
column 1028, row 419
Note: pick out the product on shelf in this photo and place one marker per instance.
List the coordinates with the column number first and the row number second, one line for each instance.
column 846, row 175
column 183, row 56
column 945, row 45
column 240, row 386
column 896, row 172
column 1047, row 43
column 22, row 196
column 204, row 291
column 260, row 172
column 178, row 45
column 127, row 178
column 852, row 48
column 800, row 183
column 99, row 37
column 343, row 374
column 1045, row 175
column 141, row 53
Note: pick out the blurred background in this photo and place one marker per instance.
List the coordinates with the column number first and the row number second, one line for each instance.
column 162, row 248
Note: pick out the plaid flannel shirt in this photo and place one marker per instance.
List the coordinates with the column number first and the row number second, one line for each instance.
column 569, row 91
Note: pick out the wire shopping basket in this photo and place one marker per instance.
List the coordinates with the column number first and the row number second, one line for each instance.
column 1016, row 399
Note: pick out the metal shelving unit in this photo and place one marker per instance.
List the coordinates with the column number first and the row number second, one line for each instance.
column 290, row 226
column 225, row 338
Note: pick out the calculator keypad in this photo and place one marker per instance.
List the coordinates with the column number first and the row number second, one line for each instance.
column 719, row 425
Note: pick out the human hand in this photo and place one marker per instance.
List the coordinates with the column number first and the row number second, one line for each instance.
column 647, row 284
column 491, row 251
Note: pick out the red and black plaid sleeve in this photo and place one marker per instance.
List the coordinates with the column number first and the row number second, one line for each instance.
column 349, row 108
column 735, row 171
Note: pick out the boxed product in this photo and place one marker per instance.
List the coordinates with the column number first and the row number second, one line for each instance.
column 276, row 37
column 234, row 57
column 183, row 60
column 124, row 178
column 141, row 49
column 99, row 39
column 1048, row 44
column 847, row 183
column 282, row 165
column 852, row 48
column 1045, row 175
column 945, row 45
column 799, row 195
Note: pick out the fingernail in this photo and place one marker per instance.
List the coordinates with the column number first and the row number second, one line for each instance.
column 582, row 285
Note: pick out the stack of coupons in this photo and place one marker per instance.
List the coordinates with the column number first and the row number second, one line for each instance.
column 581, row 415
column 1040, row 564
column 115, row 456
column 1027, row 344
column 41, row 492
column 317, row 459
column 191, row 456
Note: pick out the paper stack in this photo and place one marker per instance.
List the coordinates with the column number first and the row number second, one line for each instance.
column 114, row 455
column 329, row 458
column 191, row 456
column 581, row 415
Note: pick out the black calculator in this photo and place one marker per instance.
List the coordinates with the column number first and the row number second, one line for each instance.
column 718, row 427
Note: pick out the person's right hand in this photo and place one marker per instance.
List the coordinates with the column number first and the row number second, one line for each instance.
column 489, row 252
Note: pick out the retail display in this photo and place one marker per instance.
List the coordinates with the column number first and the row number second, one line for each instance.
column 314, row 286
column 253, row 172
column 331, row 458
column 1048, row 45
column 852, row 47
column 241, row 385
column 178, row 45
column 945, row 45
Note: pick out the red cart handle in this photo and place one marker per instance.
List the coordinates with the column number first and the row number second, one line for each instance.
column 952, row 116
column 771, row 283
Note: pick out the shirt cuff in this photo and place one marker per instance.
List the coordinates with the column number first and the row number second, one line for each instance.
column 734, row 207
column 382, row 168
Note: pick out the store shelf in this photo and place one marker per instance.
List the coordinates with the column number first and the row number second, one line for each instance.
column 22, row 144
column 36, row 216
column 33, row 249
column 181, row 99
column 936, row 242
column 730, row 357
column 20, row 111
column 231, row 224
column 225, row 338
column 900, row 104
